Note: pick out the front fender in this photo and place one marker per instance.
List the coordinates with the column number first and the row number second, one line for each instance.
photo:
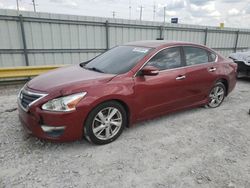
column 123, row 93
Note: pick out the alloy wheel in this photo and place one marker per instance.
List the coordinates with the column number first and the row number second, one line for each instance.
column 107, row 123
column 216, row 96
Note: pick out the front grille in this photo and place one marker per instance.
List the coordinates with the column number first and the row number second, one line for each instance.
column 27, row 98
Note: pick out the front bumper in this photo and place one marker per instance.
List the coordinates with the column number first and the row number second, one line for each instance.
column 53, row 126
column 243, row 69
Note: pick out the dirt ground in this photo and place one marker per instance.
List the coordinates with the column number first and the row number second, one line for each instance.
column 193, row 148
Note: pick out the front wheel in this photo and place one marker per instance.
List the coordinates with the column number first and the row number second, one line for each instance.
column 105, row 123
column 216, row 95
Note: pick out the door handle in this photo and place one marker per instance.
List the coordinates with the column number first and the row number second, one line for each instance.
column 180, row 77
column 212, row 69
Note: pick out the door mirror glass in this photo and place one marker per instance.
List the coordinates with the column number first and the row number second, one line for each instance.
column 149, row 71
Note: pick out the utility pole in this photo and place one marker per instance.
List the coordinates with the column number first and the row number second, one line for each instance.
column 34, row 5
column 164, row 19
column 17, row 5
column 154, row 11
column 130, row 9
column 113, row 13
column 141, row 12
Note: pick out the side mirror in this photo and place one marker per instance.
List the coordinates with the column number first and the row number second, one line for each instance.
column 149, row 71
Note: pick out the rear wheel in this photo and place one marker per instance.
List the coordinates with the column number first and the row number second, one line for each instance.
column 216, row 95
column 105, row 123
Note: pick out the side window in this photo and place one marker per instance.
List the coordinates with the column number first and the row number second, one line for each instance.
column 211, row 57
column 195, row 55
column 167, row 59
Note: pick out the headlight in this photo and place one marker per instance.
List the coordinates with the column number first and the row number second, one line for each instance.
column 64, row 104
column 247, row 60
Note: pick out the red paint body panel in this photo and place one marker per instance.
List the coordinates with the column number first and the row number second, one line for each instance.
column 68, row 78
column 154, row 96
column 145, row 97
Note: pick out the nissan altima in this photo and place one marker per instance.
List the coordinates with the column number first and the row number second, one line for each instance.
column 126, row 84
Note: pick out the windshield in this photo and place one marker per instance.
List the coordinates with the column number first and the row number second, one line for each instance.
column 118, row 60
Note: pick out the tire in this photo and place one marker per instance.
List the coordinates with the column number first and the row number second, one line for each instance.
column 105, row 123
column 216, row 95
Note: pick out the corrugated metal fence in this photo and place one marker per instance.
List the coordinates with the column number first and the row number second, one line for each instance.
column 28, row 38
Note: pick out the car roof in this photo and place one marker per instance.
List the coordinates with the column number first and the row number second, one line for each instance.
column 159, row 43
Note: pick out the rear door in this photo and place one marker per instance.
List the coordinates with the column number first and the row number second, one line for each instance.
column 201, row 70
column 164, row 92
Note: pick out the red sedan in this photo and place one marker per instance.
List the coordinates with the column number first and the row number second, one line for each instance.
column 127, row 84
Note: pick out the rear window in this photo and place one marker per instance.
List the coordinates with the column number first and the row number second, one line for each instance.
column 195, row 56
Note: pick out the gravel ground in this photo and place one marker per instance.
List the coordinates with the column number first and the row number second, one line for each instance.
column 193, row 148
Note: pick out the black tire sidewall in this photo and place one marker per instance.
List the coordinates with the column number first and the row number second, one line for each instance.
column 88, row 131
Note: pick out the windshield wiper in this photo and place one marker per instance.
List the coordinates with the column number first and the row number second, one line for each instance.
column 94, row 69
column 84, row 63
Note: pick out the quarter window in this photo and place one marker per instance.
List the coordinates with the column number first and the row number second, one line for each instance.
column 211, row 57
column 195, row 55
column 167, row 59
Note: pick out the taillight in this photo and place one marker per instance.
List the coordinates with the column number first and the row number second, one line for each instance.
column 236, row 67
column 233, row 64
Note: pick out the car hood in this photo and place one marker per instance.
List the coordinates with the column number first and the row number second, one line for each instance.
column 241, row 56
column 73, row 77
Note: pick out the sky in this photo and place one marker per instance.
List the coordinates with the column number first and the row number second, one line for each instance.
column 233, row 13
